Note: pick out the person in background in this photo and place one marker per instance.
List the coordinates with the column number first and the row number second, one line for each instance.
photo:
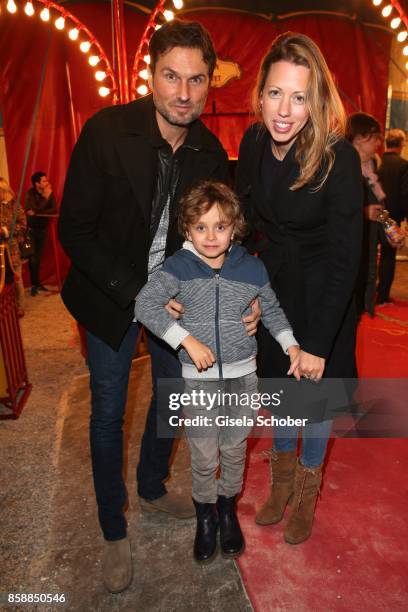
column 364, row 132
column 10, row 224
column 393, row 175
column 39, row 200
column 300, row 183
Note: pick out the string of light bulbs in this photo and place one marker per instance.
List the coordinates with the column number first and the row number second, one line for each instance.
column 76, row 31
column 392, row 10
column 140, row 73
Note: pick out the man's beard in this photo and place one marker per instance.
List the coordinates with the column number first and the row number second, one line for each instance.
column 173, row 119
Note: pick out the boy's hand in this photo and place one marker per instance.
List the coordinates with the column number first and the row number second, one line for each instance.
column 251, row 321
column 200, row 353
column 294, row 356
column 175, row 309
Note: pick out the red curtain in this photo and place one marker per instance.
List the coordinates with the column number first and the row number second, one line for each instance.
column 357, row 55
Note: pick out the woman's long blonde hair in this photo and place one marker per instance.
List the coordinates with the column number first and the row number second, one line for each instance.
column 327, row 118
column 6, row 192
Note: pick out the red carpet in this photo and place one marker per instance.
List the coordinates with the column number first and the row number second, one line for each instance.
column 358, row 553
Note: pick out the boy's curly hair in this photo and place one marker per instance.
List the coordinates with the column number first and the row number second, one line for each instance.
column 201, row 198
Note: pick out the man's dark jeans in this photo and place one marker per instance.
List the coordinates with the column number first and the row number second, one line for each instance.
column 155, row 452
column 38, row 235
column 109, row 372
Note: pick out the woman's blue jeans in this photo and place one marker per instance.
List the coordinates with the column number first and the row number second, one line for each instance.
column 314, row 441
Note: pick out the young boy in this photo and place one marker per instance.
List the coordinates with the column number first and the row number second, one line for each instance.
column 216, row 281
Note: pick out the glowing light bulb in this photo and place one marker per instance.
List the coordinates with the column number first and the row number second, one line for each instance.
column 157, row 26
column 402, row 35
column 405, row 50
column 103, row 91
column 178, row 4
column 144, row 74
column 73, row 34
column 29, row 9
column 142, row 90
column 168, row 15
column 377, row 2
column 11, row 6
column 406, row 65
column 387, row 10
column 100, row 75
column 146, row 59
column 93, row 60
column 45, row 14
column 85, row 46
column 60, row 23
column 395, row 22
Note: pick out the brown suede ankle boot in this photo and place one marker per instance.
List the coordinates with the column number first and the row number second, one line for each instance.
column 283, row 465
column 307, row 487
column 117, row 565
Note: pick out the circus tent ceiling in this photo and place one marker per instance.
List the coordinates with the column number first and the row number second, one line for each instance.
column 363, row 10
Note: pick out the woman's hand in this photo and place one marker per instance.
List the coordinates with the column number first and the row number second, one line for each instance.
column 311, row 366
column 175, row 309
column 251, row 321
column 294, row 356
column 372, row 211
column 200, row 354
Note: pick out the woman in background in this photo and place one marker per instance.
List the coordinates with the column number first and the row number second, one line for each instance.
column 7, row 215
column 300, row 183
column 364, row 133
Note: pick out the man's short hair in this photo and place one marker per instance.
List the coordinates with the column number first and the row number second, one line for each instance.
column 36, row 177
column 189, row 34
column 395, row 139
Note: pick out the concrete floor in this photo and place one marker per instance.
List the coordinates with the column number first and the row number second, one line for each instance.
column 49, row 535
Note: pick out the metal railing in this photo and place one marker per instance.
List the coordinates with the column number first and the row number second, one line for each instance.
column 14, row 385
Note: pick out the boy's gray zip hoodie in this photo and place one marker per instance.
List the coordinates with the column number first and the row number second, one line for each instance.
column 214, row 305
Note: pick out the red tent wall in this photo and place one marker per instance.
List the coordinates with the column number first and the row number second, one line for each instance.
column 357, row 55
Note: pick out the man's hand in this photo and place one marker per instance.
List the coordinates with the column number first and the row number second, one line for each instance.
column 251, row 321
column 294, row 356
column 47, row 191
column 200, row 353
column 311, row 366
column 372, row 211
column 175, row 309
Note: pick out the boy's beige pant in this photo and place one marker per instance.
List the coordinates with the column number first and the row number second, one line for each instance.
column 219, row 444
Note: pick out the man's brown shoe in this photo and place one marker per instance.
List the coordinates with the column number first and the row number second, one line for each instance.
column 117, row 565
column 179, row 506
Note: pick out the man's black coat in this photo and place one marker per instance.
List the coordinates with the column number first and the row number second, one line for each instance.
column 106, row 208
column 393, row 175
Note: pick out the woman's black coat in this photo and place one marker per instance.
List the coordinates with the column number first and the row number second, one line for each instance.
column 310, row 242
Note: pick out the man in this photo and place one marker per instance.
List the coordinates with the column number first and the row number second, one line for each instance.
column 393, row 174
column 118, row 222
column 39, row 201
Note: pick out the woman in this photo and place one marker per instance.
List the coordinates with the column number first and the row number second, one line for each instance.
column 7, row 216
column 364, row 132
column 301, row 186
